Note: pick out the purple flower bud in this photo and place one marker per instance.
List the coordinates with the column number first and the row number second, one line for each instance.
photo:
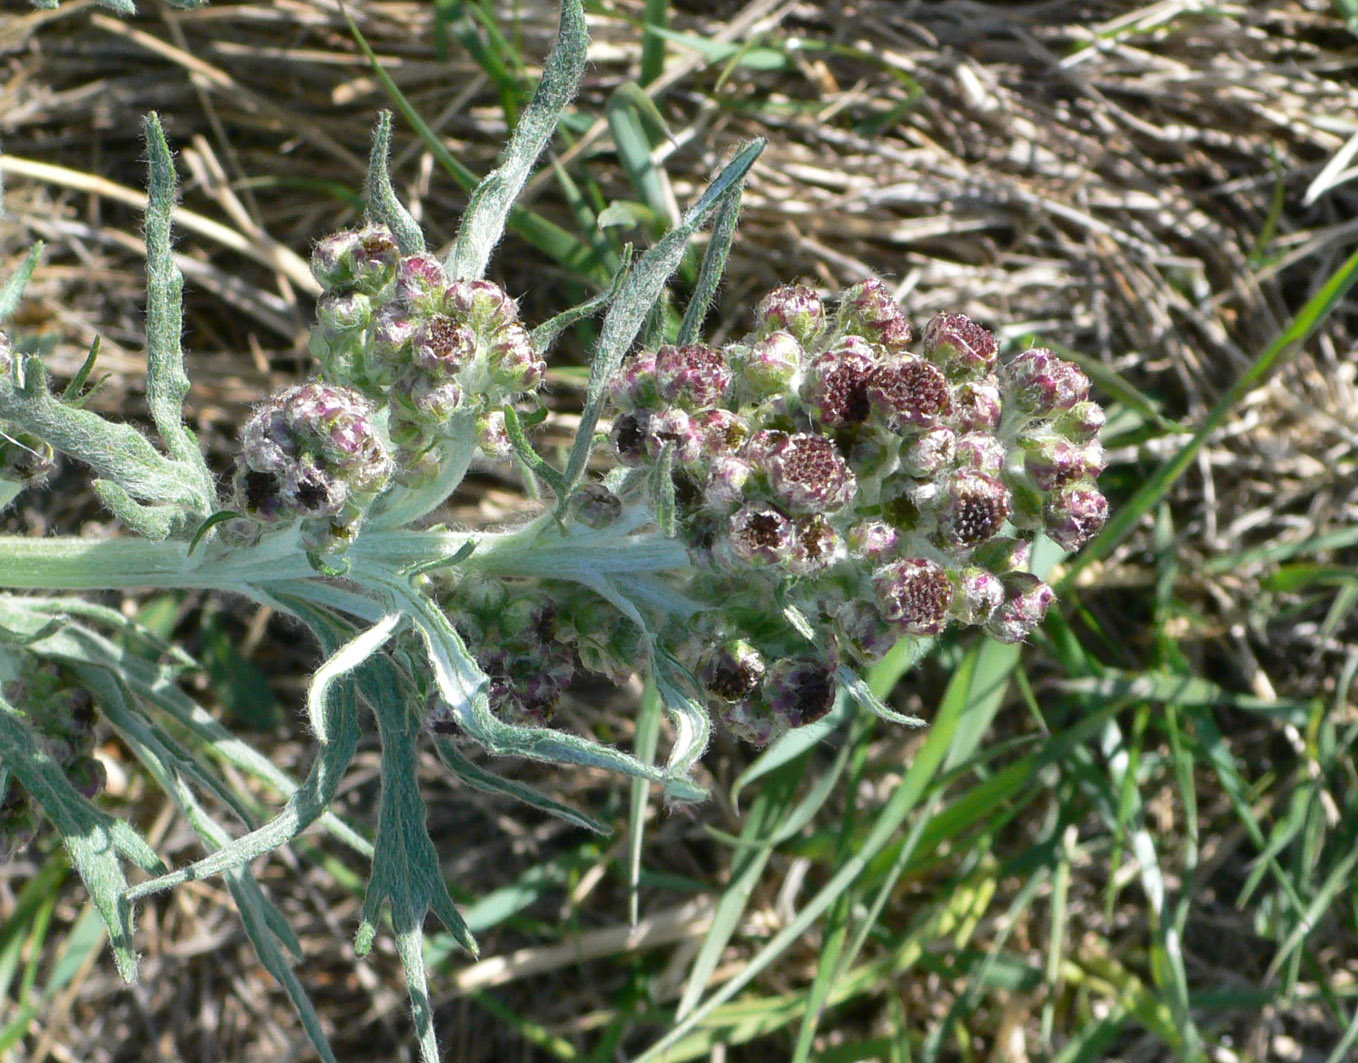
column 873, row 540
column 723, row 432
column 442, row 345
column 959, row 346
column 365, row 260
column 726, row 480
column 977, row 593
column 770, row 366
column 982, row 452
column 339, row 312
column 629, row 436
column 862, row 630
column 837, row 386
column 421, row 280
column 751, row 721
column 1074, row 515
column 1025, row 605
column 695, row 376
column 808, row 475
column 485, row 305
column 492, row 436
column 595, row 506
column 513, row 361
column 915, row 595
column 673, row 428
column 760, row 535
column 635, row 385
column 394, row 327
column 817, row 545
column 976, row 407
column 868, row 310
column 759, row 448
column 332, row 259
column 434, row 403
column 1005, row 555
column 1041, row 384
column 799, row 690
column 1083, row 421
column 909, row 393
column 973, row 509
column 1053, row 462
column 794, row 309
column 928, row 453
column 731, row 671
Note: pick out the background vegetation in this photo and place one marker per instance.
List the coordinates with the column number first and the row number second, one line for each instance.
column 1133, row 839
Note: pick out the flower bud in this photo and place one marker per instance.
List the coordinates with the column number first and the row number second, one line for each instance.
column 1025, row 605
column 770, row 366
column 513, row 361
column 722, row 431
column 799, row 690
column 433, row 403
column 595, row 506
column 635, row 385
column 976, row 407
column 1041, row 384
column 727, row 476
column 793, row 309
column 977, row 593
column 483, row 304
column 492, row 435
column 915, row 595
column 751, row 721
column 340, row 312
column 695, row 375
column 959, row 346
column 867, row 309
column 364, row 260
column 837, row 386
column 909, row 393
column 1074, row 515
column 982, row 452
column 673, row 428
column 807, row 474
column 862, row 630
column 973, row 508
column 873, row 540
column 928, row 453
column 1083, row 421
column 1005, row 555
column 421, row 280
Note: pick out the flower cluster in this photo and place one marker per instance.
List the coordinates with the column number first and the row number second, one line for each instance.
column 62, row 714
column 25, row 459
column 838, row 490
column 403, row 350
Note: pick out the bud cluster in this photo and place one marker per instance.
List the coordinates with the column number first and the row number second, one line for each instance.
column 25, row 459
column 848, row 487
column 402, row 349
column 62, row 714
column 400, row 330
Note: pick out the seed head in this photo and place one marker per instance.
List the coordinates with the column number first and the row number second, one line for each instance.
column 909, row 393
column 799, row 690
column 807, row 474
column 915, row 595
column 973, row 508
column 837, row 386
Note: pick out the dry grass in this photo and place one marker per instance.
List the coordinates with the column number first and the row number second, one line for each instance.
column 1123, row 181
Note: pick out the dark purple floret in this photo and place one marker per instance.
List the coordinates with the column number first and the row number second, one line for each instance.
column 695, row 375
column 909, row 393
column 808, row 475
column 915, row 595
column 974, row 508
